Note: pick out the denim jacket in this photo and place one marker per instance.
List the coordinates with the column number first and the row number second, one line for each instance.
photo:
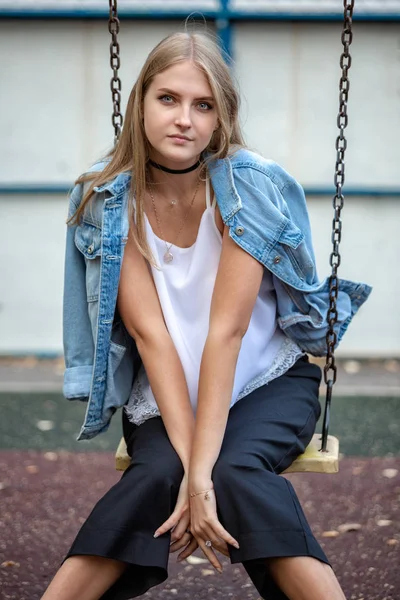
column 265, row 210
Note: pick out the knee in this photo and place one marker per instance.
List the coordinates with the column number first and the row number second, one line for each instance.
column 233, row 467
column 167, row 469
column 227, row 470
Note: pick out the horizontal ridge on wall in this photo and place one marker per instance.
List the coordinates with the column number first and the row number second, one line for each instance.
column 231, row 10
column 64, row 189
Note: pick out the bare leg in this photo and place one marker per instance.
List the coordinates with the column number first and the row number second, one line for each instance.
column 84, row 578
column 305, row 578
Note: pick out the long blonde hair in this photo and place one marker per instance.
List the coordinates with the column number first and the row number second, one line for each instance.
column 132, row 150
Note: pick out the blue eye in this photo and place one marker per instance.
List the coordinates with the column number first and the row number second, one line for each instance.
column 166, row 98
column 205, row 106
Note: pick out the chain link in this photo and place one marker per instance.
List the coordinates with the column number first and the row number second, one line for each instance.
column 115, row 84
column 338, row 203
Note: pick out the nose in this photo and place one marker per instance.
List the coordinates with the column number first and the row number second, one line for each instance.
column 183, row 117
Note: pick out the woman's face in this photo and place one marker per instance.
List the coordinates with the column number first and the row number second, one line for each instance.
column 180, row 115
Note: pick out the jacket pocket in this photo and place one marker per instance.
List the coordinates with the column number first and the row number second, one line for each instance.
column 120, row 371
column 88, row 242
column 293, row 245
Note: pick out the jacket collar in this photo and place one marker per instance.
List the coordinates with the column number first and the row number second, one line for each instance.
column 223, row 184
column 116, row 185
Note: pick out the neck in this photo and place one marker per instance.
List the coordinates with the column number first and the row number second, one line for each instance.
column 174, row 185
column 171, row 171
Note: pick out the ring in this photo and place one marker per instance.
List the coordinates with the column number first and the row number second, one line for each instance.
column 208, row 543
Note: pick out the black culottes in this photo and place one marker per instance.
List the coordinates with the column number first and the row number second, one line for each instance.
column 266, row 431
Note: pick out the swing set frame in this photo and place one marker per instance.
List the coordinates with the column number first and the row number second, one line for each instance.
column 323, row 459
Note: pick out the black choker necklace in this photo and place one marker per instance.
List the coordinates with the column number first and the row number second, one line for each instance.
column 175, row 171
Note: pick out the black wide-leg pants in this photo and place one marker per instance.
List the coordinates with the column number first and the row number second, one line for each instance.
column 266, row 431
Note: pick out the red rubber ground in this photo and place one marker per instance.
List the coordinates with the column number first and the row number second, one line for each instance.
column 45, row 497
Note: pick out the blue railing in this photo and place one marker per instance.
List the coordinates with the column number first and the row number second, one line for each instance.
column 64, row 188
column 223, row 12
column 223, row 16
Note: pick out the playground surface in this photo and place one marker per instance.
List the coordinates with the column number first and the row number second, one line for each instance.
column 49, row 484
column 46, row 496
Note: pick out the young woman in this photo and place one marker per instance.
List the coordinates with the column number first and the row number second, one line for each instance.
column 191, row 299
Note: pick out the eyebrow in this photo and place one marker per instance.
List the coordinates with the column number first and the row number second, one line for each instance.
column 168, row 91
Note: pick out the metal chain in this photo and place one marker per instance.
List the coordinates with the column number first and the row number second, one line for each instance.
column 115, row 84
column 338, row 203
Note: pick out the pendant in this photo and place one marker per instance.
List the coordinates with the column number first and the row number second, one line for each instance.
column 168, row 257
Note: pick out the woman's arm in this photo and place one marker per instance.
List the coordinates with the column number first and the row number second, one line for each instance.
column 140, row 310
column 236, row 288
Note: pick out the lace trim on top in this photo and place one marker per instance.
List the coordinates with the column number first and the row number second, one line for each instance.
column 288, row 354
column 138, row 409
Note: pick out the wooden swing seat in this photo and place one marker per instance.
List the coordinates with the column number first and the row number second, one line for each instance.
column 311, row 461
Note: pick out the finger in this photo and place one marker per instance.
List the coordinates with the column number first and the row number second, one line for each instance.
column 218, row 542
column 167, row 525
column 208, row 533
column 222, row 547
column 180, row 528
column 188, row 550
column 221, row 532
column 210, row 554
column 224, row 551
column 183, row 541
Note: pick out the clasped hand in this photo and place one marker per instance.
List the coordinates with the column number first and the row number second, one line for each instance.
column 194, row 521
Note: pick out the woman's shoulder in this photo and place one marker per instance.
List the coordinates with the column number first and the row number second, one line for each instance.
column 246, row 163
column 86, row 180
column 114, row 184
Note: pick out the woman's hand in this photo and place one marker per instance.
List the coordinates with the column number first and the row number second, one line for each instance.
column 179, row 520
column 205, row 525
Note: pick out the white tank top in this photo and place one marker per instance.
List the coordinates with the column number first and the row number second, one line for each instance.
column 185, row 287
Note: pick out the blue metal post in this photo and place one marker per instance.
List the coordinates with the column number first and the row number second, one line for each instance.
column 224, row 27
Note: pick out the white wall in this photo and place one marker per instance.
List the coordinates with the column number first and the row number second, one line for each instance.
column 55, row 120
column 370, row 251
column 31, row 273
column 55, row 104
column 289, row 77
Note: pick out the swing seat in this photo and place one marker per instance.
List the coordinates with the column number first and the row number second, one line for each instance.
column 311, row 461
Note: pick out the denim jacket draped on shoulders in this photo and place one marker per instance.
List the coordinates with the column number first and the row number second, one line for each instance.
column 265, row 210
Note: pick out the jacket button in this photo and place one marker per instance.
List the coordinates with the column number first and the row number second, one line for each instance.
column 90, row 249
column 277, row 259
column 239, row 230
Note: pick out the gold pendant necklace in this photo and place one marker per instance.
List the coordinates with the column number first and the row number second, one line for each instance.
column 168, row 256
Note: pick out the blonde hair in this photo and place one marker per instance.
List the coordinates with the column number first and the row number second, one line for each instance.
column 132, row 150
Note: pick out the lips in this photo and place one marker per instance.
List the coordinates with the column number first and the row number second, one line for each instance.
column 180, row 137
